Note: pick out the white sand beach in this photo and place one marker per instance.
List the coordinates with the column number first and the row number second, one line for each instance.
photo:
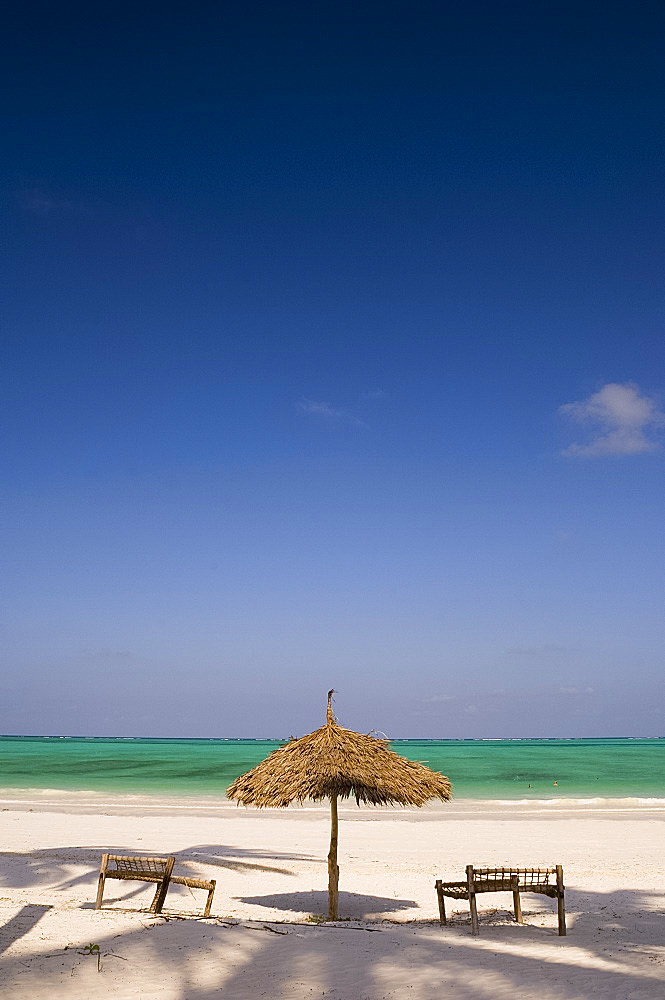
column 271, row 876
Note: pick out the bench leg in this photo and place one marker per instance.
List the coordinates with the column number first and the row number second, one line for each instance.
column 102, row 880
column 561, row 903
column 472, row 900
column 100, row 892
column 517, row 904
column 155, row 897
column 475, row 929
column 211, row 893
column 442, row 905
column 163, row 886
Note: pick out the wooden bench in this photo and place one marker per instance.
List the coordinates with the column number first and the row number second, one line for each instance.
column 545, row 881
column 142, row 869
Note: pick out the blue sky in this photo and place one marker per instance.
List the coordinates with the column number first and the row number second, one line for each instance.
column 333, row 356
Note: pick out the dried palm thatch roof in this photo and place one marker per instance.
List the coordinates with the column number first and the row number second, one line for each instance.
column 333, row 761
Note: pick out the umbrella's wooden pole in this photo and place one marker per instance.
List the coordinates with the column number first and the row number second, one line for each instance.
column 333, row 870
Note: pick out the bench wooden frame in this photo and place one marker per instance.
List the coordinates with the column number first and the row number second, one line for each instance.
column 144, row 869
column 545, row 881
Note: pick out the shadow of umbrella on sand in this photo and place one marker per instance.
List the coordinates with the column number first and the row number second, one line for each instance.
column 333, row 763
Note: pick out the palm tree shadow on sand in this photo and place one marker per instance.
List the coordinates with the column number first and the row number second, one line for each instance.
column 57, row 866
column 426, row 962
column 21, row 923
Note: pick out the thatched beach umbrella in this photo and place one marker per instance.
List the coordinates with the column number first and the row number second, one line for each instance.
column 333, row 763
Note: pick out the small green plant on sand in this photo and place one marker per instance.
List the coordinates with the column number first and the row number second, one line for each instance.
column 84, row 949
column 316, row 918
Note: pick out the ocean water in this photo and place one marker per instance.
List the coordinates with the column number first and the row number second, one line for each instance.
column 478, row 769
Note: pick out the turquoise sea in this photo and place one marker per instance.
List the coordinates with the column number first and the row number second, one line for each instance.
column 478, row 769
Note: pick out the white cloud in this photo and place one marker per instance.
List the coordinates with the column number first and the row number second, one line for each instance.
column 38, row 203
column 320, row 409
column 622, row 416
column 42, row 202
column 330, row 413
